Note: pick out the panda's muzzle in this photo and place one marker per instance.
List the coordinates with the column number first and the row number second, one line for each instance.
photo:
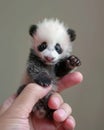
column 49, row 59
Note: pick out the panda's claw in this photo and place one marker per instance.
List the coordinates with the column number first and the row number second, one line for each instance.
column 74, row 61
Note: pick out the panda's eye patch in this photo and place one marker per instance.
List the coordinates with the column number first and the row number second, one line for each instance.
column 58, row 48
column 42, row 46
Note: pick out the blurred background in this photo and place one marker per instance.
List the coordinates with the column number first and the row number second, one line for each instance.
column 84, row 16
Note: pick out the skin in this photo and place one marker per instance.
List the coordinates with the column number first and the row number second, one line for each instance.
column 15, row 113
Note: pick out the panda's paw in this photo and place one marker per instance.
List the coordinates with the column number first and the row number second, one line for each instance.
column 73, row 61
column 43, row 79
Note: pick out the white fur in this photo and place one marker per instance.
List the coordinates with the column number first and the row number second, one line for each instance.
column 52, row 31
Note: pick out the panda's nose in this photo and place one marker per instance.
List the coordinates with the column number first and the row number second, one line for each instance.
column 49, row 59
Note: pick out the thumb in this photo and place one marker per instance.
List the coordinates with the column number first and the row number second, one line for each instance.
column 22, row 106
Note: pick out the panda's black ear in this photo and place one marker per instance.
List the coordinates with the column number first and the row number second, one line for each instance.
column 71, row 34
column 32, row 30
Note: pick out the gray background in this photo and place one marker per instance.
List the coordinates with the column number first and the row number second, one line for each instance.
column 87, row 18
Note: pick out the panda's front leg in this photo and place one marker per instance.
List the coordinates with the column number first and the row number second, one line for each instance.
column 66, row 65
column 43, row 79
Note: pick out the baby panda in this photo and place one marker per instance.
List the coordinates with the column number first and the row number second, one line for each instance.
column 49, row 59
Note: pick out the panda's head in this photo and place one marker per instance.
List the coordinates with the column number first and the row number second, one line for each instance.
column 51, row 40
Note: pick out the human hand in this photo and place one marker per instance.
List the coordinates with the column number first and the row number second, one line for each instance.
column 15, row 112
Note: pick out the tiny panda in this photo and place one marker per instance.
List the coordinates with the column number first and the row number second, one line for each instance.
column 49, row 59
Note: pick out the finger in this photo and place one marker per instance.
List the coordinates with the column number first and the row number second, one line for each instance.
column 62, row 113
column 7, row 104
column 69, row 123
column 26, row 100
column 55, row 101
column 69, row 80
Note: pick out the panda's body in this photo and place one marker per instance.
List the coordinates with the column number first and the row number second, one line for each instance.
column 49, row 58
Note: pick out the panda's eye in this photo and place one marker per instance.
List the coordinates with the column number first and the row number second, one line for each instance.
column 58, row 48
column 43, row 46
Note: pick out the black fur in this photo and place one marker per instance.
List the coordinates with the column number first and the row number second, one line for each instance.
column 36, row 68
column 71, row 34
column 32, row 30
column 42, row 46
column 58, row 48
column 61, row 68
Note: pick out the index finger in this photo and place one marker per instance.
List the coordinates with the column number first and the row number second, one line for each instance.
column 69, row 80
